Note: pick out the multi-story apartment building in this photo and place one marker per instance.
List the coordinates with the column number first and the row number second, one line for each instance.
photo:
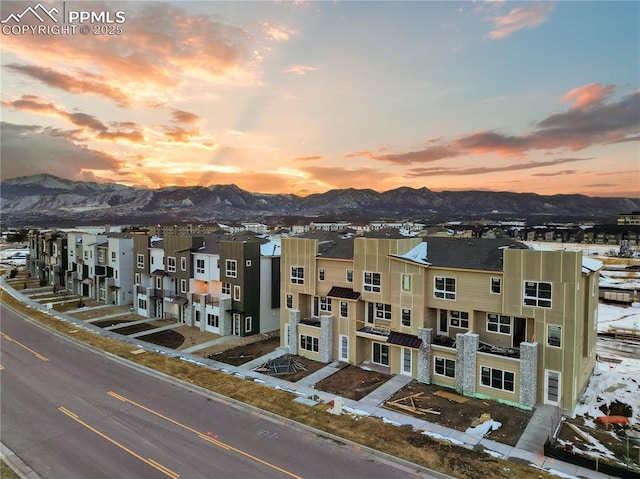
column 486, row 317
column 47, row 259
column 225, row 285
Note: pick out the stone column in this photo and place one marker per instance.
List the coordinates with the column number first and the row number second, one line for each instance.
column 226, row 319
column 528, row 374
column 202, row 307
column 424, row 355
column 326, row 339
column 466, row 359
column 294, row 319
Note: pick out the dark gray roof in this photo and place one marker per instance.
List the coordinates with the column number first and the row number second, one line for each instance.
column 332, row 244
column 469, row 253
column 343, row 293
column 402, row 339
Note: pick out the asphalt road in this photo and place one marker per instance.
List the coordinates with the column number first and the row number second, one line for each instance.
column 70, row 413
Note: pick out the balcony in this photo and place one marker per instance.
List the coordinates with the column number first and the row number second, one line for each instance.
column 499, row 350
column 374, row 331
column 311, row 322
column 141, row 289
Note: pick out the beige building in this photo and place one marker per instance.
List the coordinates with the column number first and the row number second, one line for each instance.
column 486, row 317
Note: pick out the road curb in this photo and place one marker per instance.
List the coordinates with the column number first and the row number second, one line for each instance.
column 16, row 464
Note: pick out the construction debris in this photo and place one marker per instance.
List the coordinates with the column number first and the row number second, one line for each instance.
column 408, row 403
column 279, row 366
column 451, row 397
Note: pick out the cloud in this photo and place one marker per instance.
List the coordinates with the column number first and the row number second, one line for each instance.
column 31, row 149
column 277, row 33
column 88, row 123
column 418, row 172
column 594, row 123
column 300, row 70
column 181, row 116
column 518, row 18
column 555, row 173
column 81, row 84
column 308, row 158
column 588, row 95
column 337, row 177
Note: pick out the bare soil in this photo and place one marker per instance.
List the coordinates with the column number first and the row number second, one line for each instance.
column 460, row 416
column 353, row 382
column 169, row 338
column 309, row 365
column 246, row 352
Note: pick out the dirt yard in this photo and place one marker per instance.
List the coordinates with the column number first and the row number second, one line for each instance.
column 353, row 382
column 169, row 338
column 461, row 415
column 307, row 366
column 246, row 352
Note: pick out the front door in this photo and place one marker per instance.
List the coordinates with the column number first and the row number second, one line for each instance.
column 519, row 331
column 552, row 387
column 443, row 325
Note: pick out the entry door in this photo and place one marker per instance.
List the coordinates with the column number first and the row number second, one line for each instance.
column 236, row 324
column 552, row 387
column 407, row 362
column 519, row 331
column 443, row 324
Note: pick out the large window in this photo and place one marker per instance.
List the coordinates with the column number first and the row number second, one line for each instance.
column 171, row 264
column 231, row 268
column 140, row 261
column 496, row 285
column 497, row 378
column 444, row 288
column 406, row 317
column 379, row 311
column 309, row 343
column 459, row 319
column 325, row 304
column 142, row 303
column 200, row 266
column 537, row 293
column 213, row 320
column 297, row 275
column 372, row 282
column 554, row 336
column 444, row 367
column 380, row 354
column 498, row 323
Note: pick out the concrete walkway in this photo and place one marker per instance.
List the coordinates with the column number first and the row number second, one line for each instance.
column 130, row 323
column 156, row 330
column 109, row 316
column 213, row 342
column 257, row 362
column 527, row 450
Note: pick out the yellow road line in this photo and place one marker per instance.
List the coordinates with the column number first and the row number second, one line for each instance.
column 202, row 435
column 37, row 355
column 151, row 462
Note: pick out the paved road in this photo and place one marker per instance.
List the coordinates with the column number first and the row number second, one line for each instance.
column 71, row 413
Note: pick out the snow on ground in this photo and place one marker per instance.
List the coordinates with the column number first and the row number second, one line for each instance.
column 482, row 429
column 610, row 316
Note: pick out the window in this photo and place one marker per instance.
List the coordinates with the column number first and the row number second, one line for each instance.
column 142, row 303
column 379, row 311
column 344, row 309
column 498, row 323
column 200, row 266
column 171, row 264
column 289, row 301
column 86, row 255
column 231, row 268
column 444, row 367
column 325, row 304
column 158, row 282
column 496, row 285
column 380, row 354
column 372, row 282
column 344, row 347
column 407, row 361
column 183, row 285
column 297, row 275
column 406, row 283
column 248, row 324
column 213, row 320
column 554, row 336
column 137, row 278
column 459, row 319
column 236, row 293
column 444, row 288
column 552, row 387
column 537, row 293
column 100, row 256
column 349, row 276
column 247, row 263
column 309, row 343
column 321, row 274
column 103, row 293
column 115, row 273
column 183, row 264
column 497, row 378
column 406, row 317
column 113, row 256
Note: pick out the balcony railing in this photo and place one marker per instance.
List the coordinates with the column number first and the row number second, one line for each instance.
column 141, row 289
column 311, row 322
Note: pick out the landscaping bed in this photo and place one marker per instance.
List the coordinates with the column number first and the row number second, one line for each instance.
column 353, row 382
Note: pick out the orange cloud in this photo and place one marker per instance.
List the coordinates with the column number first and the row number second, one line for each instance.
column 588, row 95
column 519, row 18
column 181, row 116
column 300, row 70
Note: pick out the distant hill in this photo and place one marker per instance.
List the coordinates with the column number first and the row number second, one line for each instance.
column 49, row 200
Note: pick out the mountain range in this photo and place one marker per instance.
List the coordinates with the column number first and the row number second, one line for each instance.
column 49, row 200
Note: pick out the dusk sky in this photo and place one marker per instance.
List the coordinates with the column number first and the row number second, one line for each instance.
column 302, row 97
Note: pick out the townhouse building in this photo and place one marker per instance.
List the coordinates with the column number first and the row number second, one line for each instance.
column 486, row 317
column 47, row 258
column 227, row 285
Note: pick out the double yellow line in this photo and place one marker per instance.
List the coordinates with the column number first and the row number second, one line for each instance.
column 37, row 355
column 151, row 462
column 203, row 436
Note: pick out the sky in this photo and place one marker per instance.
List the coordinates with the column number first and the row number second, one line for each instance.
column 306, row 96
